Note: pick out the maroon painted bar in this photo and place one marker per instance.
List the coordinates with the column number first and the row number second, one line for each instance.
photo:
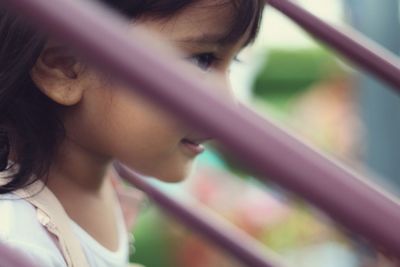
column 366, row 55
column 13, row 257
column 269, row 150
column 228, row 238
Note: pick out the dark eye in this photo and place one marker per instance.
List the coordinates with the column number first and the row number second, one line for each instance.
column 204, row 60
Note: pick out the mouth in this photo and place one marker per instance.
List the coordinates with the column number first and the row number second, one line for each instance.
column 194, row 145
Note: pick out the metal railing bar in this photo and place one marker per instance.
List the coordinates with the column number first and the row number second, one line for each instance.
column 223, row 234
column 14, row 257
column 261, row 145
column 360, row 50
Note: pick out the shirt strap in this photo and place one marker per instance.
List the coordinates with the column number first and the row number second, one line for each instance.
column 53, row 217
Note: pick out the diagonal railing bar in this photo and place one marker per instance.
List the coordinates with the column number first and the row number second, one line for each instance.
column 363, row 52
column 10, row 256
column 269, row 150
column 226, row 236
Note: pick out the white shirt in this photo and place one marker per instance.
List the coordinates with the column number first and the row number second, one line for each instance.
column 21, row 231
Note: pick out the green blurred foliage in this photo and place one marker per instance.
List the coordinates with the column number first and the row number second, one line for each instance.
column 288, row 73
column 153, row 247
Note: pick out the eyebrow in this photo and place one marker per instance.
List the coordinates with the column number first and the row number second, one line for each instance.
column 220, row 39
column 210, row 38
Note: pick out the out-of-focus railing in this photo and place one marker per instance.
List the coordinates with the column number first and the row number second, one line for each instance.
column 269, row 150
column 355, row 47
column 12, row 257
column 216, row 230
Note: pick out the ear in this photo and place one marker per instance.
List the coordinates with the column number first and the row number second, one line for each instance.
column 58, row 73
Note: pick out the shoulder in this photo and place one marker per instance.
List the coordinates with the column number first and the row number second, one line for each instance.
column 18, row 219
column 21, row 232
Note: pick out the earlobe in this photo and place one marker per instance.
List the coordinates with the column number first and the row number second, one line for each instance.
column 57, row 73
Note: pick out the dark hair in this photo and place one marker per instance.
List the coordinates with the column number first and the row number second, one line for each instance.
column 30, row 130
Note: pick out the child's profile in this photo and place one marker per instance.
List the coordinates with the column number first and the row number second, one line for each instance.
column 62, row 122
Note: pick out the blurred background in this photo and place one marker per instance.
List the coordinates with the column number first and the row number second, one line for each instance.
column 302, row 85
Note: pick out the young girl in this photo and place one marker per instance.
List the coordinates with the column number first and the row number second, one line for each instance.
column 62, row 122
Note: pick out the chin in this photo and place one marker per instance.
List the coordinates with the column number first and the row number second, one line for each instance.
column 168, row 172
column 172, row 178
column 173, row 175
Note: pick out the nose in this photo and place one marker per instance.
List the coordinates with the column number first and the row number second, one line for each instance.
column 223, row 86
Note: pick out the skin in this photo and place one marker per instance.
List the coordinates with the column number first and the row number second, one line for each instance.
column 104, row 121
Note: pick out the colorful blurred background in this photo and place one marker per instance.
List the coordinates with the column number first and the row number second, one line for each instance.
column 293, row 80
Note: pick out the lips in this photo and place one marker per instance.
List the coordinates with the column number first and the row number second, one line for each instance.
column 195, row 141
column 194, row 145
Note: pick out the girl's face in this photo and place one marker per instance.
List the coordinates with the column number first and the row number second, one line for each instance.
column 112, row 122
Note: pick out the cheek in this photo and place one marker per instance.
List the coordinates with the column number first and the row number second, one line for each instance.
column 139, row 133
column 149, row 140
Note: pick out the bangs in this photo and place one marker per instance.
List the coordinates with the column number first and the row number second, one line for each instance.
column 245, row 13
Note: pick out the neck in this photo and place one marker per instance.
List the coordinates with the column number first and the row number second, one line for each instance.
column 76, row 169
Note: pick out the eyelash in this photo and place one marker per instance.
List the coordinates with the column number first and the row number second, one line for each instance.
column 211, row 59
column 237, row 60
